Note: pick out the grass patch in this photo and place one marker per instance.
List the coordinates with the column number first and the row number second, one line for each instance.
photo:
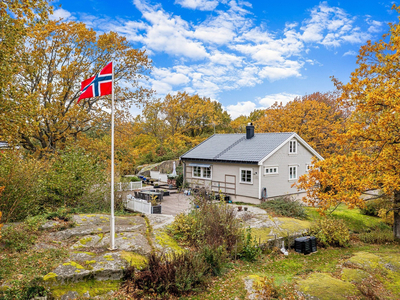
column 353, row 218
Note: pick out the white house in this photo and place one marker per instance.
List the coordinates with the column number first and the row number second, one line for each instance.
column 249, row 166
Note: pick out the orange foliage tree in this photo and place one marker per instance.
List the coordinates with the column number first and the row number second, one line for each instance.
column 371, row 167
column 1, row 225
column 316, row 118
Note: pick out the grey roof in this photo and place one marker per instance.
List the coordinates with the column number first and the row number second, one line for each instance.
column 236, row 148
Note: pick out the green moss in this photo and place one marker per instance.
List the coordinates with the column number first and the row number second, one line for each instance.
column 50, row 276
column 353, row 275
column 323, row 286
column 99, row 229
column 108, row 257
column 101, row 236
column 94, row 288
column 135, row 260
column 165, row 241
column 262, row 234
column 85, row 240
column 293, row 225
column 88, row 253
column 90, row 262
column 83, row 220
column 74, row 264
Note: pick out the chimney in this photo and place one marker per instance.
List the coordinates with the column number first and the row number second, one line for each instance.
column 249, row 131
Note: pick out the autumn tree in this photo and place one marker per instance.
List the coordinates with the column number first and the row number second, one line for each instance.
column 59, row 55
column 15, row 16
column 371, row 168
column 317, row 118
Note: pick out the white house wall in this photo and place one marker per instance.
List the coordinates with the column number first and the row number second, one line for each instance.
column 219, row 170
column 280, row 184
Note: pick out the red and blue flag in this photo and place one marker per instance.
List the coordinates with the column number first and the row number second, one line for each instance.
column 98, row 85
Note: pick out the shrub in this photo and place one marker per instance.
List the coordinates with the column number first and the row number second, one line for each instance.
column 285, row 206
column 216, row 258
column 211, row 224
column 330, row 232
column 377, row 236
column 372, row 207
column 386, row 215
column 173, row 274
column 22, row 236
column 266, row 288
column 134, row 179
column 250, row 250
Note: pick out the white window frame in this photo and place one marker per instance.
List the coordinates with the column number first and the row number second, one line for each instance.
column 293, row 142
column 296, row 168
column 268, row 169
column 202, row 172
column 251, row 175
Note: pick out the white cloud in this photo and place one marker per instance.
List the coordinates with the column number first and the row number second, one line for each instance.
column 241, row 108
column 283, row 98
column 198, row 4
column 351, row 53
column 61, row 13
column 226, row 50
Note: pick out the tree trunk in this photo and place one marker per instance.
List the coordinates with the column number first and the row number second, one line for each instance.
column 396, row 207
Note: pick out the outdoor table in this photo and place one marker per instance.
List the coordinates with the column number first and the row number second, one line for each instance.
column 148, row 195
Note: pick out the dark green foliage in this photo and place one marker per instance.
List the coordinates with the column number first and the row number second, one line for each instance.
column 250, row 250
column 216, row 258
column 179, row 181
column 285, row 206
column 134, row 179
column 377, row 236
column 371, row 208
column 172, row 274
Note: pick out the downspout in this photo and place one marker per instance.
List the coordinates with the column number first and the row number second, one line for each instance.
column 259, row 181
column 184, row 174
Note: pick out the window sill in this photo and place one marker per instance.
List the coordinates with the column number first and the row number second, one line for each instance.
column 246, row 182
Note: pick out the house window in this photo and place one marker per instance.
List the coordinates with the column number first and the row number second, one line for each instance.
column 292, row 172
column 206, row 172
column 202, row 172
column 196, row 171
column 292, row 147
column 246, row 175
column 271, row 170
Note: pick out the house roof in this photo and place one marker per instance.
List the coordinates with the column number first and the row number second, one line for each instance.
column 236, row 148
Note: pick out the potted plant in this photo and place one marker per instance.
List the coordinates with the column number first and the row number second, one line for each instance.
column 239, row 208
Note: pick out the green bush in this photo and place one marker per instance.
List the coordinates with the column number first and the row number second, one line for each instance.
column 377, row 236
column 135, row 179
column 372, row 207
column 249, row 250
column 216, row 257
column 22, row 236
column 285, row 206
column 330, row 232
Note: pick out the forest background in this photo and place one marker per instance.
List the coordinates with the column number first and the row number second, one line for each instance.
column 63, row 156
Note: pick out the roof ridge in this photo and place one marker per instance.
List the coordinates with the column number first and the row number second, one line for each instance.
column 229, row 148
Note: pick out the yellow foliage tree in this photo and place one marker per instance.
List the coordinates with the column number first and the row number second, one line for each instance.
column 1, row 225
column 59, row 55
column 371, row 167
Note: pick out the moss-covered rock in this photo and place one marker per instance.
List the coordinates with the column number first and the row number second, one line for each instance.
column 324, row 286
column 354, row 275
column 134, row 259
column 165, row 243
column 87, row 288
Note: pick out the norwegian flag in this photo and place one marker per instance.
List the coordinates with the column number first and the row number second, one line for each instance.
column 98, row 85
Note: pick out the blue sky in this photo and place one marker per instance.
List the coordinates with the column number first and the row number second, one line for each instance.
column 244, row 54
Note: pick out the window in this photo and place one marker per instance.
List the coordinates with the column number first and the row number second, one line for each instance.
column 202, row 172
column 196, row 171
column 246, row 176
column 207, row 172
column 271, row 170
column 308, row 167
column 292, row 172
column 292, row 147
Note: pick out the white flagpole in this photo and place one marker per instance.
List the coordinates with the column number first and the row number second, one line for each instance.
column 112, row 220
